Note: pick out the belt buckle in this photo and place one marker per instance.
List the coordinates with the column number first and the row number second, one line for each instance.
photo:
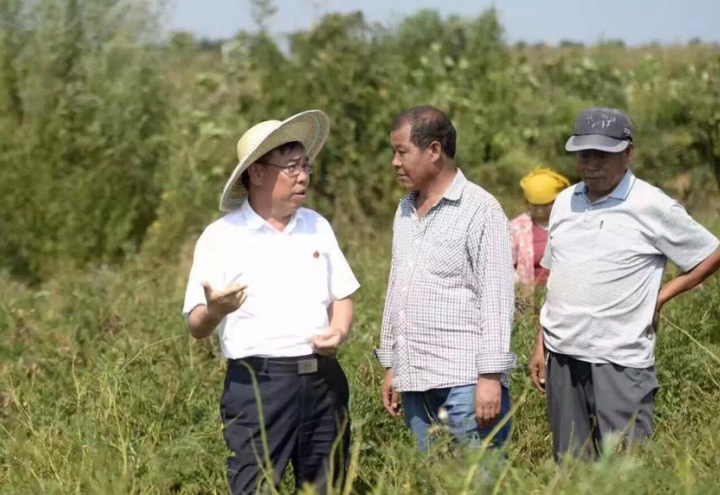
column 307, row 366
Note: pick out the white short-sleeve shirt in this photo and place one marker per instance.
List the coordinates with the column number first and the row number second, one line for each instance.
column 292, row 277
column 606, row 262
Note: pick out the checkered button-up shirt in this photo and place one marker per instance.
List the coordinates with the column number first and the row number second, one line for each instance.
column 449, row 306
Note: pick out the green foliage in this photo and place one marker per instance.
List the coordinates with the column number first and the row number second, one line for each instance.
column 103, row 391
column 513, row 107
column 84, row 136
column 112, row 140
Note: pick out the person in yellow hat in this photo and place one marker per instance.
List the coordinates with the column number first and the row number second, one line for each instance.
column 529, row 230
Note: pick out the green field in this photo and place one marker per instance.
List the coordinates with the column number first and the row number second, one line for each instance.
column 115, row 144
column 105, row 392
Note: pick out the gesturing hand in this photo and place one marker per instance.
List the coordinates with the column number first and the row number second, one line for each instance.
column 223, row 302
column 328, row 342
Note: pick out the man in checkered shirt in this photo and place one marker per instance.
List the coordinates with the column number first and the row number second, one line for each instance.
column 448, row 315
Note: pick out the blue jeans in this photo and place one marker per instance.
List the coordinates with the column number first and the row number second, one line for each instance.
column 422, row 411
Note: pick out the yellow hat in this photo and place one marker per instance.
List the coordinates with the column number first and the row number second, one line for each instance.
column 542, row 186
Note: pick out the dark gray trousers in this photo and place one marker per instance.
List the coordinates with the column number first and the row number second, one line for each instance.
column 587, row 403
column 304, row 421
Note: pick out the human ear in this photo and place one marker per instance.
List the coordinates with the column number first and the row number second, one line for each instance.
column 256, row 174
column 629, row 153
column 435, row 150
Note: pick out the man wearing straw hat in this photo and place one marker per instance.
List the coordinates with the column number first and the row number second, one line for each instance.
column 609, row 239
column 271, row 278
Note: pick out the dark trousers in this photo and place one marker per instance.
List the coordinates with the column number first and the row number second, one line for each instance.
column 302, row 418
column 588, row 403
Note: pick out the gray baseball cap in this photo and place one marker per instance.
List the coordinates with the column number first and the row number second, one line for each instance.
column 601, row 128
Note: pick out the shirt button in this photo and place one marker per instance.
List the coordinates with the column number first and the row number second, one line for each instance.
column 401, row 313
column 410, row 264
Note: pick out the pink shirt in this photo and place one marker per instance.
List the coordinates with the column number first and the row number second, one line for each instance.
column 522, row 250
column 527, row 251
column 539, row 241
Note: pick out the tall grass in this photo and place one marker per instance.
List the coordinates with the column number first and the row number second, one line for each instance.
column 114, row 145
column 104, row 392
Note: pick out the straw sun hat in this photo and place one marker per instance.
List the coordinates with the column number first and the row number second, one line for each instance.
column 311, row 128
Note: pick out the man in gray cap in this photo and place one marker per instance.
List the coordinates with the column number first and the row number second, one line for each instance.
column 610, row 237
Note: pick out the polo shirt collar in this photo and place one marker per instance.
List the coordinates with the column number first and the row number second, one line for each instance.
column 620, row 192
column 256, row 222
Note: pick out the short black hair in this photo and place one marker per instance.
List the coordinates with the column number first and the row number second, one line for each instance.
column 428, row 124
column 283, row 148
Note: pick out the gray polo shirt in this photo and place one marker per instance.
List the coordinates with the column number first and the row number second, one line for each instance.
column 606, row 261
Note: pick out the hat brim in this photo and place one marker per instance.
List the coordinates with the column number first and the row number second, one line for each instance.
column 311, row 128
column 596, row 142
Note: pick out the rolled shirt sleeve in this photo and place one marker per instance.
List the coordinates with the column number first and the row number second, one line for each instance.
column 494, row 273
column 683, row 240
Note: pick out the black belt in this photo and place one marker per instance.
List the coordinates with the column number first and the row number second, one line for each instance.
column 300, row 365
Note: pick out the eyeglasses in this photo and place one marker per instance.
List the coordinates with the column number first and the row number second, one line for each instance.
column 294, row 169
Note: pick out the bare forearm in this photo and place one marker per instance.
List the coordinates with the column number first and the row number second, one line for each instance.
column 539, row 343
column 341, row 315
column 201, row 323
column 687, row 281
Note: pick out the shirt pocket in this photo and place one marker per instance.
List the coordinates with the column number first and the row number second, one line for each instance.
column 445, row 257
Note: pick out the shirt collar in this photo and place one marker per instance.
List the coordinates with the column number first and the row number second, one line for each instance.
column 452, row 193
column 620, row 192
column 256, row 222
